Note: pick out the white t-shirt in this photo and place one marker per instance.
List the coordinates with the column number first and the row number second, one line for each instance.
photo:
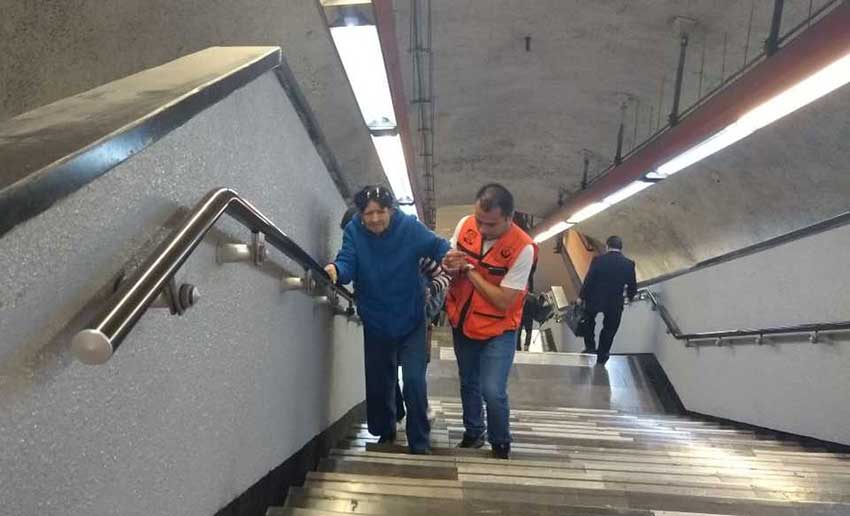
column 517, row 276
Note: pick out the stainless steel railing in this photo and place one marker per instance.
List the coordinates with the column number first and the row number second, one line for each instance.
column 98, row 342
column 733, row 336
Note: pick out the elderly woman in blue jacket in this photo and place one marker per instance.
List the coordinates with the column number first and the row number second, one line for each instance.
column 381, row 249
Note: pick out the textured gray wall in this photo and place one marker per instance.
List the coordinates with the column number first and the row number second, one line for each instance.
column 193, row 410
column 51, row 50
column 789, row 385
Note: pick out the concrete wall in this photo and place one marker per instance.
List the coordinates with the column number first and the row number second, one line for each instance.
column 191, row 410
column 638, row 332
column 789, row 385
column 51, row 50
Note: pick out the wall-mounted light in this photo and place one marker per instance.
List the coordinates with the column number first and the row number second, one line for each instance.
column 554, row 230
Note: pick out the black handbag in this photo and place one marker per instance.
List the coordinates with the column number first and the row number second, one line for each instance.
column 576, row 318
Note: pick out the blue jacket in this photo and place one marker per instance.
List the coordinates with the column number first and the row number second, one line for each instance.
column 385, row 271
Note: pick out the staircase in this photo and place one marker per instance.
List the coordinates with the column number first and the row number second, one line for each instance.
column 577, row 460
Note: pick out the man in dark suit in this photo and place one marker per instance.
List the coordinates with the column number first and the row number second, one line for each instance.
column 602, row 291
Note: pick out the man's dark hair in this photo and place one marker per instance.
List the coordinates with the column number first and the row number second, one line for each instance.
column 614, row 242
column 494, row 195
column 347, row 216
column 378, row 193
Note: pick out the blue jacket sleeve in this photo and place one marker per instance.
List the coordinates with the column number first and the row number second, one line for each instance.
column 433, row 246
column 346, row 258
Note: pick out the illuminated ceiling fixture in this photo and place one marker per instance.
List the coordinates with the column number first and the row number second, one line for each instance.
column 360, row 51
column 586, row 212
column 822, row 82
column 626, row 192
column 359, row 48
column 395, row 167
column 554, row 230
column 801, row 94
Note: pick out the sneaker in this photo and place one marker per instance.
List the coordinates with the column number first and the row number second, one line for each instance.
column 474, row 442
column 420, row 451
column 431, row 414
column 601, row 359
column 387, row 439
column 502, row 451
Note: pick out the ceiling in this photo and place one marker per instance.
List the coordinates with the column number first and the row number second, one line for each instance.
column 526, row 117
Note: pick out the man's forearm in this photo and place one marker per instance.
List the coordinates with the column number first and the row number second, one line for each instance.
column 495, row 294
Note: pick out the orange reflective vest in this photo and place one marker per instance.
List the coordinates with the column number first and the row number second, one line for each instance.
column 468, row 309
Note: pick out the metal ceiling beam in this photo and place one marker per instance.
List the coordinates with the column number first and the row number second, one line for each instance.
column 385, row 21
column 828, row 40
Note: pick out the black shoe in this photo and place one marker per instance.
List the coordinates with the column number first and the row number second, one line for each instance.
column 589, row 351
column 601, row 359
column 420, row 451
column 387, row 439
column 474, row 442
column 502, row 451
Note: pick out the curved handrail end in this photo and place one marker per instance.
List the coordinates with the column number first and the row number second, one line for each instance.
column 91, row 347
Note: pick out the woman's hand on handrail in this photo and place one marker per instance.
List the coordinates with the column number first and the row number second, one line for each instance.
column 331, row 270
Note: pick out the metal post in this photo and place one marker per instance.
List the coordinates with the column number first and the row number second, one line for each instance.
column 584, row 174
column 680, row 72
column 772, row 43
column 618, row 155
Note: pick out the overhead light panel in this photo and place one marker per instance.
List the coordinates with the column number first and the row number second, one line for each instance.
column 360, row 51
column 587, row 212
column 817, row 85
column 808, row 90
column 391, row 154
column 625, row 193
column 719, row 141
column 554, row 230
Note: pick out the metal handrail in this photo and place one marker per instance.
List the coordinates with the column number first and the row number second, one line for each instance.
column 102, row 336
column 717, row 337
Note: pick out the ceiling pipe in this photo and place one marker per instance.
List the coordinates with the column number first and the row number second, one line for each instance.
column 827, row 41
column 385, row 21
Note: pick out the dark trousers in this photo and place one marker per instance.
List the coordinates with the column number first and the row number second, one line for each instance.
column 610, row 324
column 382, row 357
column 526, row 325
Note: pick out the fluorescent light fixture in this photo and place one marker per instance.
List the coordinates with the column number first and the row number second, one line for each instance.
column 625, row 193
column 817, row 85
column 729, row 135
column 391, row 155
column 360, row 51
column 554, row 230
column 586, row 212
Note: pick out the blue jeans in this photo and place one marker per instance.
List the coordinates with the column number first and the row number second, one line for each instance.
column 483, row 366
column 382, row 357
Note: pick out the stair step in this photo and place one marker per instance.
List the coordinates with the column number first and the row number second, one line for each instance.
column 705, row 478
column 606, row 467
column 466, row 483
column 565, row 500
column 336, row 503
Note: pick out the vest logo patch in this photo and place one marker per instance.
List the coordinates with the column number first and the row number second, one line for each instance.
column 469, row 236
column 506, row 252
